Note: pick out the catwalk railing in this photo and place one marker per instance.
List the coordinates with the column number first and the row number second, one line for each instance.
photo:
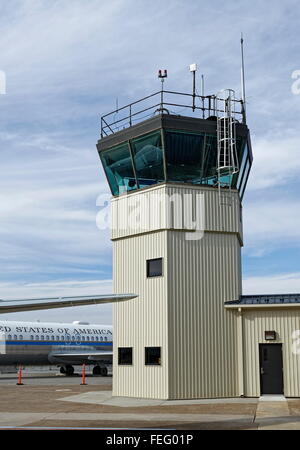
column 165, row 102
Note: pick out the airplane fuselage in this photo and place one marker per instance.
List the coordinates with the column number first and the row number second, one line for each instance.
column 36, row 343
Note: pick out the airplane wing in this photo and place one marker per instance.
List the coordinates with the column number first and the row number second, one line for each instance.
column 7, row 306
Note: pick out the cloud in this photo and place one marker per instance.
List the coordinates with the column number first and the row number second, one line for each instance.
column 278, row 284
column 101, row 314
column 276, row 160
column 66, row 63
column 48, row 208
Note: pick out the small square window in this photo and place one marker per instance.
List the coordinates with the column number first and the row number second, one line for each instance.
column 152, row 356
column 125, row 355
column 154, row 267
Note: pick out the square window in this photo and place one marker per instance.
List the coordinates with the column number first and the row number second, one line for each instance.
column 125, row 355
column 154, row 267
column 152, row 356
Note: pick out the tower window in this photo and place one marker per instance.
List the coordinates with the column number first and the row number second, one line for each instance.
column 152, row 356
column 154, row 267
column 125, row 356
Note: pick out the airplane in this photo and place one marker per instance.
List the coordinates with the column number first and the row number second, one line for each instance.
column 63, row 349
column 25, row 304
column 61, row 344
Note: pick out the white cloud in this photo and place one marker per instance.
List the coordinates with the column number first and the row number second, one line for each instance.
column 11, row 290
column 277, row 284
column 276, row 160
column 271, row 223
column 65, row 64
column 48, row 208
column 101, row 314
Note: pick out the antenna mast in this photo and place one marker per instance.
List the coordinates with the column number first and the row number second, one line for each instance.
column 193, row 69
column 243, row 77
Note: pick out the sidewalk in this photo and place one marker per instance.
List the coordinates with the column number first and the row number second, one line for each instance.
column 273, row 413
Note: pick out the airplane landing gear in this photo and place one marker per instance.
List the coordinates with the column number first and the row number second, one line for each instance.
column 97, row 370
column 67, row 370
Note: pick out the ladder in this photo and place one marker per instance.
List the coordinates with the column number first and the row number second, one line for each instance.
column 227, row 160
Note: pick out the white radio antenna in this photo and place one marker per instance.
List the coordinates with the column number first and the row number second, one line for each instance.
column 243, row 77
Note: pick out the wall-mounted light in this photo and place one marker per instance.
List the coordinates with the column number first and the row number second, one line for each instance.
column 270, row 335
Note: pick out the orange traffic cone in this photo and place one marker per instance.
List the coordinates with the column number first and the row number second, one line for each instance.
column 83, row 375
column 19, row 383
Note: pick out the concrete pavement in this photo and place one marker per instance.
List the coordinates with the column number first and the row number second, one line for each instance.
column 50, row 401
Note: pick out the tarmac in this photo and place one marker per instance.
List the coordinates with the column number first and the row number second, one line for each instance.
column 48, row 400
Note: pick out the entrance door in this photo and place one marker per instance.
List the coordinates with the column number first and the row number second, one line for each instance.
column 271, row 375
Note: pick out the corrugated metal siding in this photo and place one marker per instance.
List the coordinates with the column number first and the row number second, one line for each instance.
column 141, row 322
column 284, row 322
column 222, row 213
column 183, row 311
column 203, row 353
column 145, row 211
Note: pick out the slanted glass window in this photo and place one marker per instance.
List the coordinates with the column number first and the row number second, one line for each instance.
column 125, row 356
column 244, row 179
column 243, row 160
column 184, row 156
column 152, row 356
column 148, row 159
column 154, row 267
column 117, row 163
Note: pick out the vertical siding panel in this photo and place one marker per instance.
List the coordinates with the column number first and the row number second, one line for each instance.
column 201, row 367
column 284, row 322
column 183, row 312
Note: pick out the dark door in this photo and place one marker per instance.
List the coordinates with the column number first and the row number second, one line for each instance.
column 271, row 375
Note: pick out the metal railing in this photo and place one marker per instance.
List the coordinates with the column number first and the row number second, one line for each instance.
column 164, row 102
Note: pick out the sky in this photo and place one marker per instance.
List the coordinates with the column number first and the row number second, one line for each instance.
column 65, row 63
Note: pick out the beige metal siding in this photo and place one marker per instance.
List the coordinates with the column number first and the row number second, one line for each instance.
column 175, row 207
column 141, row 322
column 284, row 322
column 203, row 354
column 182, row 311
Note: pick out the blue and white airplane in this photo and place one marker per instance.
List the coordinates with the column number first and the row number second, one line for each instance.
column 55, row 343
column 62, row 344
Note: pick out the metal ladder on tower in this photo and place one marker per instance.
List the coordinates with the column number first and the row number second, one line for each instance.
column 227, row 160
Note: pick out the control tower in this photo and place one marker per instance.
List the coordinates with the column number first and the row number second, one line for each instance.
column 177, row 166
